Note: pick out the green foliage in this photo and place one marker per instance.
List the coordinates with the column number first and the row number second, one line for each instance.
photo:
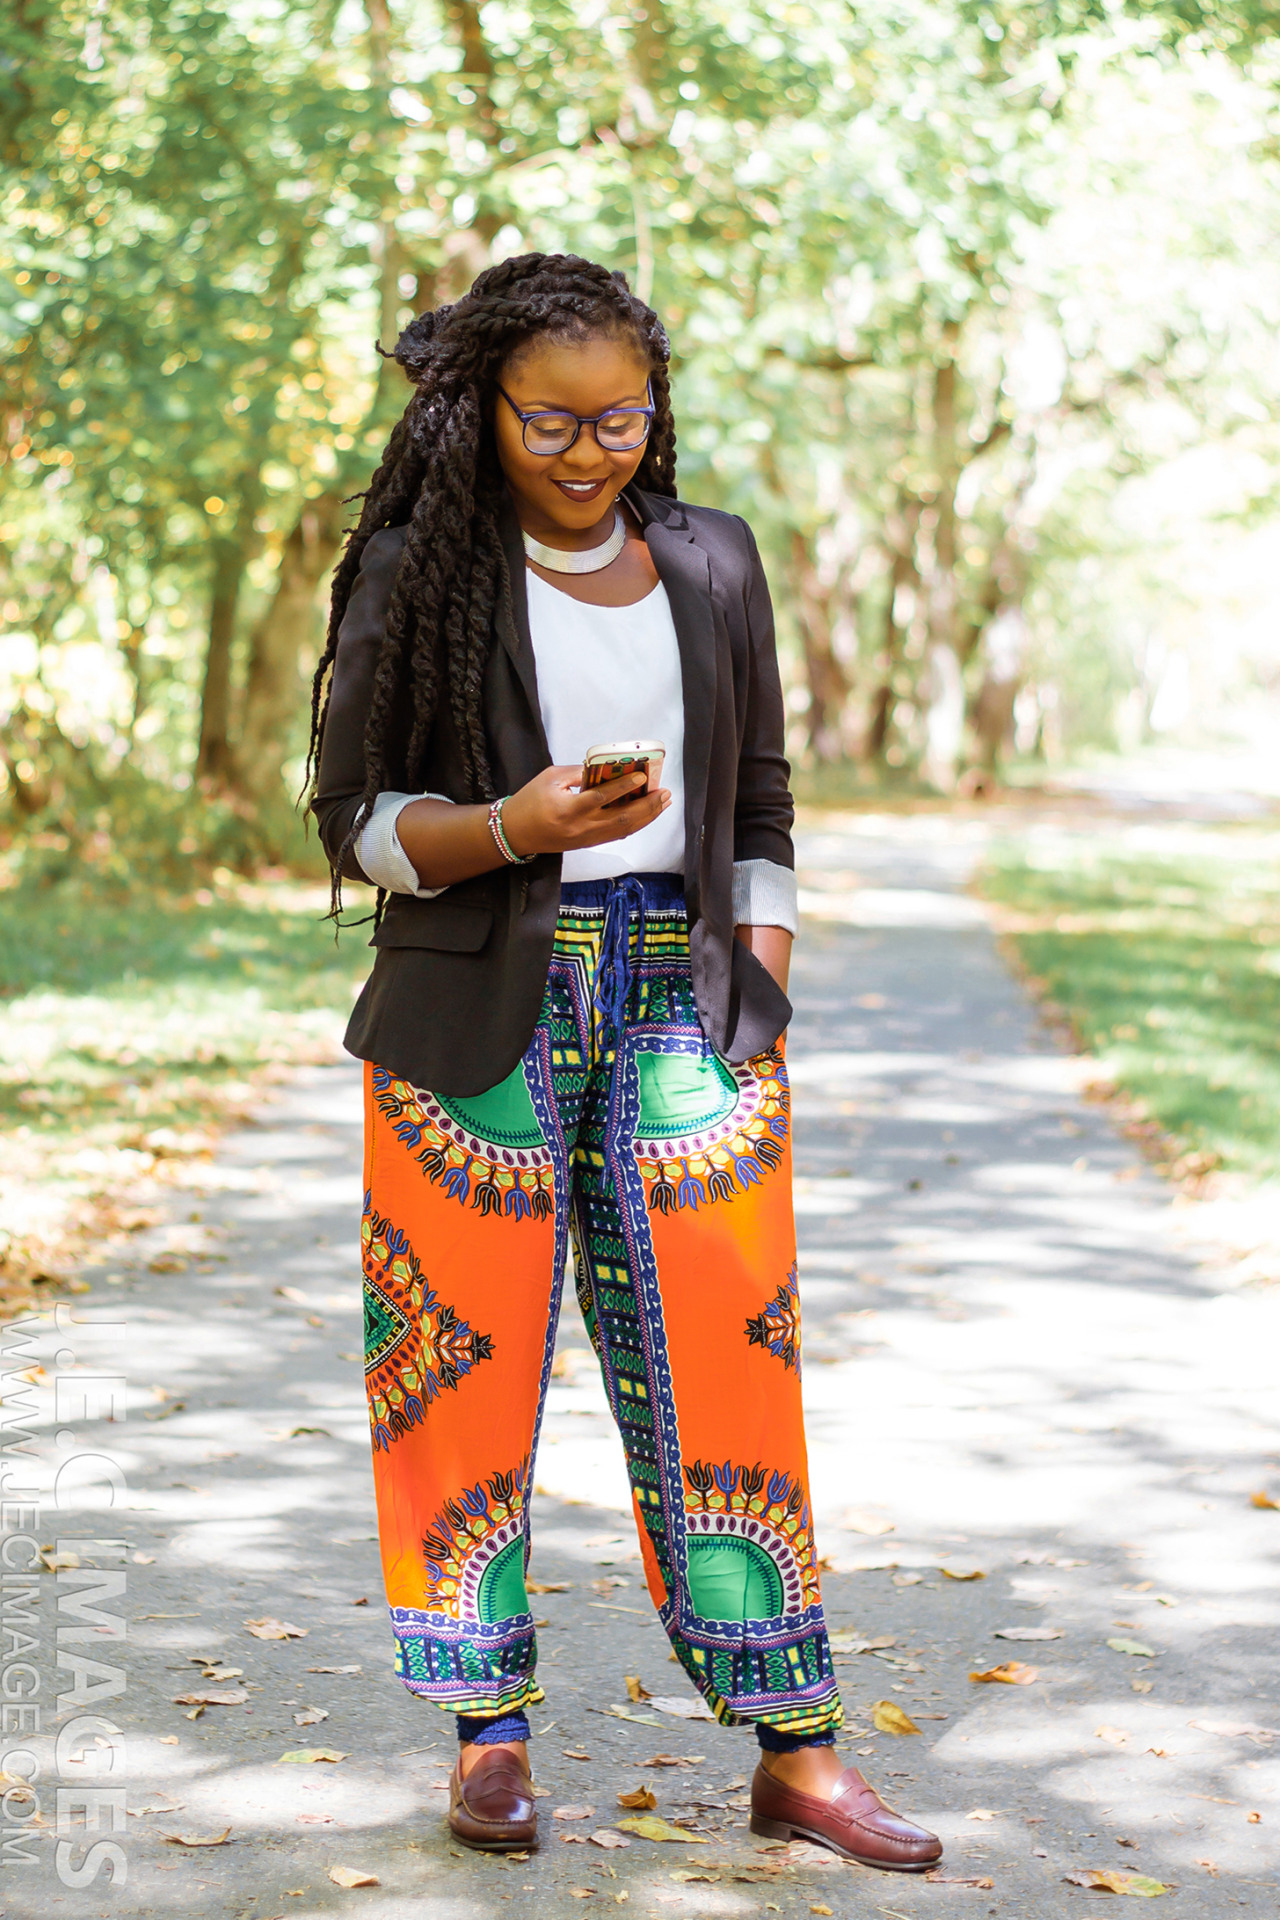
column 933, row 298
column 1169, row 966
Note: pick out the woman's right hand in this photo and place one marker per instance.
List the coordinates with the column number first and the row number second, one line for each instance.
column 554, row 814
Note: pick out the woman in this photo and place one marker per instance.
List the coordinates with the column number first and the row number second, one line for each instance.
column 573, row 1030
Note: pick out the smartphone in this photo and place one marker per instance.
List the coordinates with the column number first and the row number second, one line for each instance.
column 623, row 756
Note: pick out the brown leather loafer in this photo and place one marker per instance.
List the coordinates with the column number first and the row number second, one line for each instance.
column 855, row 1822
column 493, row 1808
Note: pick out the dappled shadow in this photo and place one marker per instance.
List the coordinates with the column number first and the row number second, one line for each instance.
column 1010, row 1369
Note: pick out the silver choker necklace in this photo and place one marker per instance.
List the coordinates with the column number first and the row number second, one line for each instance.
column 556, row 560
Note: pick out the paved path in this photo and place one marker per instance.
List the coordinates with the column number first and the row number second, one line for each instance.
column 1011, row 1366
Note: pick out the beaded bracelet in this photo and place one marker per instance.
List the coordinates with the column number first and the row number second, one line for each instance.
column 504, row 846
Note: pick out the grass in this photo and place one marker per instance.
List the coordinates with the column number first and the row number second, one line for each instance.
column 1166, row 960
column 132, row 1019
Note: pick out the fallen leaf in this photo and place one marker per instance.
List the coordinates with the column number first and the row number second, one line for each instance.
column 606, row 1837
column 293, row 1293
column 548, row 1586
column 959, row 1879
column 269, row 1629
column 1012, row 1673
column 908, row 1579
column 170, row 1740
column 193, row 1713
column 673, row 1760
column 1141, row 1686
column 636, row 1689
column 619, row 1712
column 573, row 1839
column 353, row 1877
column 1210, row 1866
column 687, row 1874
column 575, row 1753
column 1114, row 1736
column 650, row 1826
column 1264, row 1500
column 1029, row 1633
column 304, row 1756
column 54, row 1562
column 1101, row 1880
column 641, row 1800
column 888, row 1717
column 572, row 1813
column 200, row 1839
column 963, row 1573
column 310, row 1717
column 143, row 1559
column 315, row 1819
column 1134, row 1647
column 1160, row 1752
column 363, row 1601
column 681, row 1707
column 1254, row 1819
column 984, row 1813
column 582, row 1893
column 822, row 1909
column 858, row 1521
column 845, row 1640
column 228, row 1697
column 607, row 1582
column 335, row 1669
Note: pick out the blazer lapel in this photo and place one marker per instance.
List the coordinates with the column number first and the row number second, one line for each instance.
column 684, row 572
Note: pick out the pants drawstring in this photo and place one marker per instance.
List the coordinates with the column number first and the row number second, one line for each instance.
column 614, row 975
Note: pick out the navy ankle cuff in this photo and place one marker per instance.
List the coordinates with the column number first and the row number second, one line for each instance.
column 487, row 1733
column 772, row 1740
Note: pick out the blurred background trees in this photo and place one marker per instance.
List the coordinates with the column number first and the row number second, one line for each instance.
column 975, row 309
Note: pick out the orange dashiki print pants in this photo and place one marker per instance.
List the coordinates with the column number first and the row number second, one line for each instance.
column 622, row 1131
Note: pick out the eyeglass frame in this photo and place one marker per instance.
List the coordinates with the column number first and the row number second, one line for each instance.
column 583, row 420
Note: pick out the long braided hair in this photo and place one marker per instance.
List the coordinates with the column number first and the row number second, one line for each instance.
column 440, row 475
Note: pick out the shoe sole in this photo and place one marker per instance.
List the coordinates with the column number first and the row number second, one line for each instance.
column 494, row 1846
column 785, row 1830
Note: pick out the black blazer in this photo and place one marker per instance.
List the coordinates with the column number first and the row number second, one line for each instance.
column 457, row 985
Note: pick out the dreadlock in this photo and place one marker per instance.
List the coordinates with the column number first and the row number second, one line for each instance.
column 440, row 475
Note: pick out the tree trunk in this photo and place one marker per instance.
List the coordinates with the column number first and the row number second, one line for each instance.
column 287, row 630
column 903, row 574
column 1005, row 647
column 827, row 679
column 943, row 681
column 214, row 758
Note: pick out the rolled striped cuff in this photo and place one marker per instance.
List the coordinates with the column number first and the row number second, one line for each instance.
column 764, row 895
column 378, row 849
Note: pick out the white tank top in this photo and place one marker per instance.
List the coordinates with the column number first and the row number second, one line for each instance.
column 612, row 673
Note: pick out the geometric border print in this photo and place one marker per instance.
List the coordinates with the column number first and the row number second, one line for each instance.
column 778, row 1328
column 726, row 1144
column 415, row 1346
column 510, row 1175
